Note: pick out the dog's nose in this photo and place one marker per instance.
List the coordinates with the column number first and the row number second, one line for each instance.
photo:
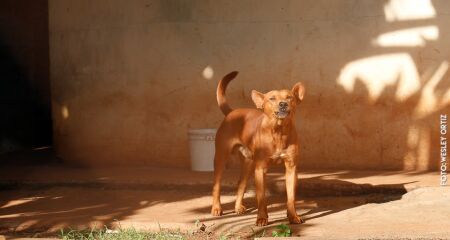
column 283, row 104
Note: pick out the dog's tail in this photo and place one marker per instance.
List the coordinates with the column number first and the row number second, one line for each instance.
column 221, row 100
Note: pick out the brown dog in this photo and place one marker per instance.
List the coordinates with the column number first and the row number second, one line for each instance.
column 259, row 137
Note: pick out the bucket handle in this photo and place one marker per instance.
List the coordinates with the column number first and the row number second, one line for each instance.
column 204, row 137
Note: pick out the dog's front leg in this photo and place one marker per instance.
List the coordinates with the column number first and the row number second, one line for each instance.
column 291, row 185
column 260, row 172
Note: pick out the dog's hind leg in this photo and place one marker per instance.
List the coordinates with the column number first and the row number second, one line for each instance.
column 219, row 167
column 246, row 169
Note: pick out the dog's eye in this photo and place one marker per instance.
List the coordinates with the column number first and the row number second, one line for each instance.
column 272, row 98
column 289, row 97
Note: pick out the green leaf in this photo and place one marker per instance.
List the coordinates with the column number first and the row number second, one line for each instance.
column 274, row 234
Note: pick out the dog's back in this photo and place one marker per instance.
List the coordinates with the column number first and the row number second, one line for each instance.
column 239, row 126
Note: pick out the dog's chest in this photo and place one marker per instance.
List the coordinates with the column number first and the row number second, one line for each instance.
column 278, row 142
column 279, row 147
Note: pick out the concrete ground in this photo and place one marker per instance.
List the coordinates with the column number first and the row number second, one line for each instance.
column 335, row 204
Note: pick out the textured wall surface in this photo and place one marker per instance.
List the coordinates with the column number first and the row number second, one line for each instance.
column 129, row 78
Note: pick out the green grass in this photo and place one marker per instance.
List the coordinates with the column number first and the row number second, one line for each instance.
column 120, row 234
column 282, row 230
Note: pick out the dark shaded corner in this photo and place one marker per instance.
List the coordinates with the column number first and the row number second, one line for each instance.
column 25, row 105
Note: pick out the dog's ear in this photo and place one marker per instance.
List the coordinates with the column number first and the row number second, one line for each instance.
column 258, row 99
column 299, row 91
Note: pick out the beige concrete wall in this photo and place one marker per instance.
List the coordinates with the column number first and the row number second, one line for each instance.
column 127, row 76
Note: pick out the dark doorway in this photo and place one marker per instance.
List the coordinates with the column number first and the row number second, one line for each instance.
column 25, row 103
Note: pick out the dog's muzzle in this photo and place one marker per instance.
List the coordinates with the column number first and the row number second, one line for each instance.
column 283, row 110
column 282, row 114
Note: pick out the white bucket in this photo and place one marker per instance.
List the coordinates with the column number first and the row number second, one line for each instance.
column 201, row 145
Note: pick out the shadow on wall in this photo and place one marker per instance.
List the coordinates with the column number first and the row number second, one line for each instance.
column 388, row 96
column 382, row 85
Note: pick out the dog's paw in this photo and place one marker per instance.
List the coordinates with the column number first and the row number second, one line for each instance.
column 240, row 210
column 261, row 222
column 216, row 211
column 296, row 219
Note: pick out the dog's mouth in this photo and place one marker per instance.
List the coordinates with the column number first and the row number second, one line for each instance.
column 282, row 114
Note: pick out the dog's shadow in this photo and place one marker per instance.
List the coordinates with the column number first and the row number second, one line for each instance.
column 317, row 197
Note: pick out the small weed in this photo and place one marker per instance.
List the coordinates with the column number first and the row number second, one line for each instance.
column 258, row 234
column 283, row 230
column 223, row 237
column 197, row 223
column 120, row 234
column 229, row 235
